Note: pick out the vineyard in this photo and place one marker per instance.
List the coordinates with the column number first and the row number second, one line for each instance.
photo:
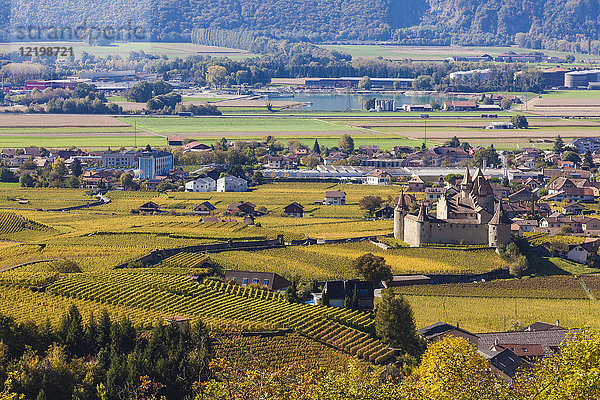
column 333, row 261
column 274, row 352
column 551, row 287
column 225, row 306
column 11, row 222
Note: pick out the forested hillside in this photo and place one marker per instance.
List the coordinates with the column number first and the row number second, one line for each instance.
column 528, row 22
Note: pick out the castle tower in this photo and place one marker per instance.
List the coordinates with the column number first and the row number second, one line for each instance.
column 400, row 212
column 482, row 192
column 466, row 185
column 423, row 227
column 499, row 228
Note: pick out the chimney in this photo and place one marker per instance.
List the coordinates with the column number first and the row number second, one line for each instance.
column 557, row 323
column 496, row 341
column 457, row 326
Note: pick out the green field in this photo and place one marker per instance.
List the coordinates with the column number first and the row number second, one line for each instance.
column 243, row 124
column 86, row 142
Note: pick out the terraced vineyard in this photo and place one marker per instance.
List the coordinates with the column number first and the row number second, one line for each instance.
column 334, row 261
column 225, row 305
column 185, row 260
column 11, row 222
column 278, row 351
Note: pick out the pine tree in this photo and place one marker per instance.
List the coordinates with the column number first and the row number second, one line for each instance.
column 395, row 324
column 316, row 147
column 559, row 145
column 71, row 331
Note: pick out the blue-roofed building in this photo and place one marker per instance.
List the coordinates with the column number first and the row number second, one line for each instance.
column 155, row 163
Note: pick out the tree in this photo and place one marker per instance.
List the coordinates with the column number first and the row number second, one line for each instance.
column 161, row 87
column 423, row 82
column 76, row 168
column 451, row 368
column 571, row 372
column 395, row 323
column 454, row 142
column 316, row 147
column 370, row 203
column 571, row 156
column 489, row 155
column 59, row 169
column 71, row 331
column 73, row 182
column 346, row 143
column 559, row 145
column 127, row 182
column 215, row 75
column 258, row 177
column 369, row 104
column 26, row 180
column 519, row 121
column 364, row 83
column 372, row 268
column 588, row 160
column 506, row 104
column 6, row 175
column 141, row 92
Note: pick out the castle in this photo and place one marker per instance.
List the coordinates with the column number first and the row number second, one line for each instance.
column 469, row 217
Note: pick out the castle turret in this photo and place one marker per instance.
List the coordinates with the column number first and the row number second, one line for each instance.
column 482, row 192
column 499, row 228
column 466, row 185
column 400, row 212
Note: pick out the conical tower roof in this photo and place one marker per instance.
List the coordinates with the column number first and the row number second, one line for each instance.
column 500, row 216
column 401, row 202
column 423, row 214
column 467, row 179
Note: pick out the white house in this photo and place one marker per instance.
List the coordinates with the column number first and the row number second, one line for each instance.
column 207, row 184
column 335, row 198
column 583, row 253
column 231, row 184
column 378, row 177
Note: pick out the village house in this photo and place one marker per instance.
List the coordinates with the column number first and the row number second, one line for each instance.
column 386, row 212
column 433, row 194
column 337, row 293
column 294, row 210
column 378, row 177
column 241, row 208
column 523, row 195
column 439, row 330
column 206, row 184
column 195, row 146
column 150, row 207
column 500, row 192
column 269, row 280
column 573, row 208
column 204, row 208
column 584, row 253
column 416, row 184
column 335, row 198
column 231, row 183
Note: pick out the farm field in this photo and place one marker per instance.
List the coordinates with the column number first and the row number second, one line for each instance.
column 433, row 53
column 61, row 131
column 122, row 50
